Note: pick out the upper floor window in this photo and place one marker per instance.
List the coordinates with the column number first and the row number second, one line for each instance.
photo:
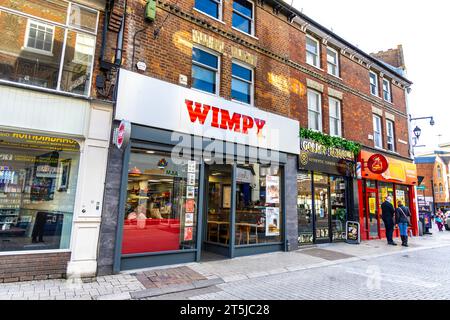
column 314, row 110
column 439, row 172
column 48, row 44
column 390, row 135
column 373, row 83
column 39, row 36
column 242, row 83
column 212, row 8
column 333, row 62
column 441, row 188
column 243, row 16
column 335, row 117
column 387, row 90
column 205, row 70
column 312, row 51
column 377, row 132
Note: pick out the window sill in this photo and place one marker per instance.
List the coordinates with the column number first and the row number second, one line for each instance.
column 37, row 51
column 211, row 17
column 206, row 92
column 337, row 77
column 318, row 68
column 251, row 105
column 247, row 34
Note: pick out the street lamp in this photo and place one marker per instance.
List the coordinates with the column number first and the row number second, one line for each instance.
column 417, row 131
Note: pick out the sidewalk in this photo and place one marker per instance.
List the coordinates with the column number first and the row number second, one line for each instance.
column 205, row 275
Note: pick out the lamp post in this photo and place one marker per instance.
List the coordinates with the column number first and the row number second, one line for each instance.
column 417, row 131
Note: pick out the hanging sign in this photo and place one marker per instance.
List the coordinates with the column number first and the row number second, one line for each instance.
column 378, row 164
column 352, row 231
column 122, row 134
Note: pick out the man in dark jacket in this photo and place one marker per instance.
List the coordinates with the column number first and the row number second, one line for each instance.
column 387, row 214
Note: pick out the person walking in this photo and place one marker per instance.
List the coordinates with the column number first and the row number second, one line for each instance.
column 439, row 221
column 387, row 214
column 402, row 216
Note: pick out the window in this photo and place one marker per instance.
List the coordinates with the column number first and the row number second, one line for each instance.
column 441, row 188
column 242, row 83
column 373, row 84
column 205, row 70
column 314, row 110
column 333, row 62
column 335, row 117
column 243, row 16
column 312, row 51
column 162, row 201
column 38, row 182
column 58, row 44
column 377, row 132
column 387, row 90
column 439, row 172
column 40, row 36
column 212, row 8
column 390, row 135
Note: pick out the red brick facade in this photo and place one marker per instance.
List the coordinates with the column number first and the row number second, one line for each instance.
column 281, row 73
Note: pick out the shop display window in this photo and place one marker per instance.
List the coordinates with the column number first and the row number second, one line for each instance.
column 258, row 204
column 305, row 208
column 384, row 190
column 162, row 203
column 38, row 181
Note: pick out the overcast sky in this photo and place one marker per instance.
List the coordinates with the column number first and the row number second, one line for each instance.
column 423, row 30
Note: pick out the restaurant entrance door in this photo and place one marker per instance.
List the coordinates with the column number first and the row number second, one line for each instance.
column 218, row 204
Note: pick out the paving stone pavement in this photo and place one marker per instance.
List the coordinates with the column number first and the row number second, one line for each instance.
column 371, row 270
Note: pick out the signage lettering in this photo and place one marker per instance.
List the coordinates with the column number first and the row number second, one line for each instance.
column 315, row 147
column 378, row 164
column 237, row 122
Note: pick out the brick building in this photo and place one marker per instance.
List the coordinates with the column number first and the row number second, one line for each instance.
column 257, row 71
column 55, row 134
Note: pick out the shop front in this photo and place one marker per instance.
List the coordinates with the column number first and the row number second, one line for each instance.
column 382, row 176
column 203, row 179
column 324, row 187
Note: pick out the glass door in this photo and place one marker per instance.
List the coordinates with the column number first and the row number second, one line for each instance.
column 373, row 216
column 321, row 208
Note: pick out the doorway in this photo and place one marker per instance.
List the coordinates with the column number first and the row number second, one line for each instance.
column 217, row 218
column 372, row 213
column 322, row 208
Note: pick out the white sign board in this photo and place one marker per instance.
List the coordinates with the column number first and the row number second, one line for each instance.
column 155, row 103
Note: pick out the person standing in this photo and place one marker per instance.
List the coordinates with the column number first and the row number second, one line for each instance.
column 387, row 214
column 402, row 215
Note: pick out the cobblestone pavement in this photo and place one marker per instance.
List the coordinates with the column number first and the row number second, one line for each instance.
column 417, row 275
column 371, row 270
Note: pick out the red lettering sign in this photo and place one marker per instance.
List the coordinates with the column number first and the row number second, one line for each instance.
column 378, row 164
column 237, row 123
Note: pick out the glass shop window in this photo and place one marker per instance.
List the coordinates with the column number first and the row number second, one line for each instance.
column 338, row 207
column 305, row 208
column 38, row 181
column 162, row 200
column 258, row 204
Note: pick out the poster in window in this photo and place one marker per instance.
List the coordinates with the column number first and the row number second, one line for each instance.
column 188, row 231
column 191, row 166
column 372, row 205
column 191, row 179
column 272, row 221
column 190, row 192
column 65, row 173
column 189, row 220
column 190, row 206
column 44, row 177
column 226, row 200
column 400, row 195
column 272, row 189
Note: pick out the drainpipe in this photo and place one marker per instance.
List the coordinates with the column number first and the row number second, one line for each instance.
column 108, row 6
column 120, row 36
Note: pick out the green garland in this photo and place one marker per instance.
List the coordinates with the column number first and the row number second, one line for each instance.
column 329, row 141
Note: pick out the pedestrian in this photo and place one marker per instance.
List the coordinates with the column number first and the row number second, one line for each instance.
column 387, row 214
column 402, row 216
column 439, row 221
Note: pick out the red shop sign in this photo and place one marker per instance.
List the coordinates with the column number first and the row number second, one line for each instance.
column 378, row 164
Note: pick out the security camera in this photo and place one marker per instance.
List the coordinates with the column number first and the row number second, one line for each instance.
column 431, row 122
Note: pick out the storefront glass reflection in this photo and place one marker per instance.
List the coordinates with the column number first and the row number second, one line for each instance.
column 338, row 207
column 304, row 208
column 161, row 208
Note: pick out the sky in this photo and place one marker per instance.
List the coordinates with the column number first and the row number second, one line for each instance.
column 423, row 30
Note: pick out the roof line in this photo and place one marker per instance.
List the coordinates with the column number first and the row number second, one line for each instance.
column 348, row 44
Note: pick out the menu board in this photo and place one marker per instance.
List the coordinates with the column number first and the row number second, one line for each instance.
column 353, row 235
column 272, row 221
column 272, row 189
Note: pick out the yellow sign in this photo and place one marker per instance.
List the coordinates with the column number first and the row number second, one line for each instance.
column 25, row 140
column 372, row 205
column 208, row 41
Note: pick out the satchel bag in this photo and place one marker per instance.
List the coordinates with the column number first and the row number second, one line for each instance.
column 409, row 224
